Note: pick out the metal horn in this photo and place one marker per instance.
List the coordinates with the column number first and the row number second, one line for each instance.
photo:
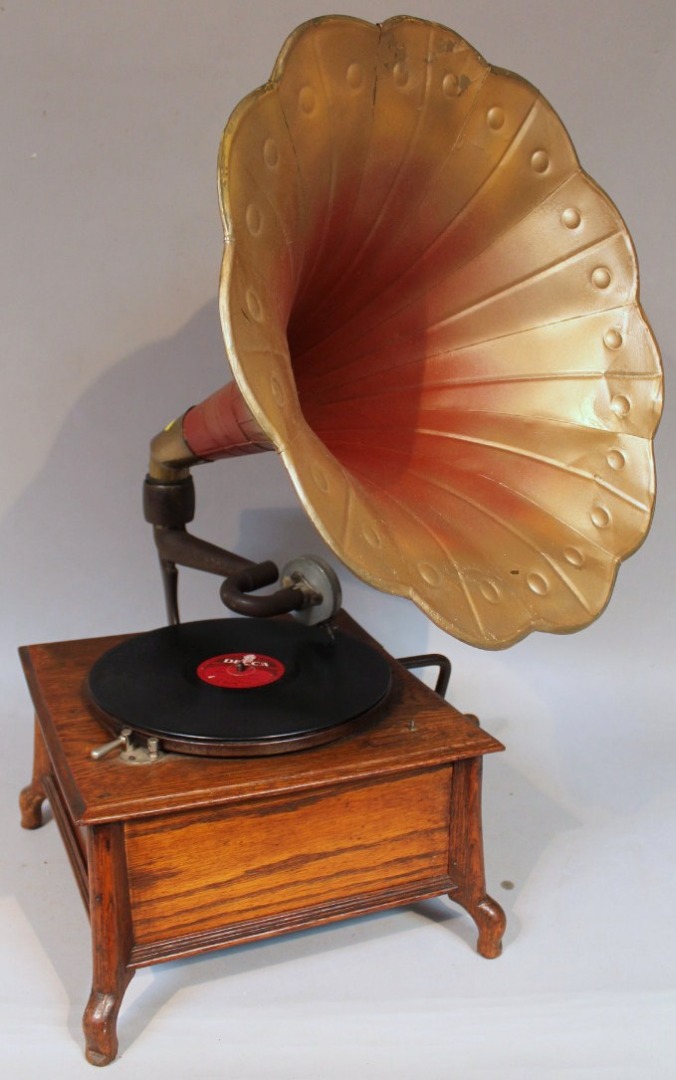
column 431, row 313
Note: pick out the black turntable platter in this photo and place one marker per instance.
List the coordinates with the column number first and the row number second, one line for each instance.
column 238, row 686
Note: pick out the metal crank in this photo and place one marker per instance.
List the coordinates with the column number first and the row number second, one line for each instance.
column 132, row 753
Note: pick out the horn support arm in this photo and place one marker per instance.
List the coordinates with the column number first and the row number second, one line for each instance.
column 169, row 505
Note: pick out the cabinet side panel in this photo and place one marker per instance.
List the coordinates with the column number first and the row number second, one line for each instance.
column 192, row 872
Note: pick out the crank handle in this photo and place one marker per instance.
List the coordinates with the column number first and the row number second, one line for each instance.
column 107, row 748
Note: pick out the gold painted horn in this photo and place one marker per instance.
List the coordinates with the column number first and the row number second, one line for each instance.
column 431, row 313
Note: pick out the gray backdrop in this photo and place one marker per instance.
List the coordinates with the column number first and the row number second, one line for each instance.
column 111, row 115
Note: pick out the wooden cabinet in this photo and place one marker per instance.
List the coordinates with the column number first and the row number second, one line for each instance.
column 190, row 853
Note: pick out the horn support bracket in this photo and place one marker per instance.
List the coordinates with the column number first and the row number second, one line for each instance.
column 310, row 588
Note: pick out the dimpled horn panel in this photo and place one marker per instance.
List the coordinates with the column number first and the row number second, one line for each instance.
column 432, row 312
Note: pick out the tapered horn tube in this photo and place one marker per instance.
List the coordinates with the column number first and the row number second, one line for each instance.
column 219, row 427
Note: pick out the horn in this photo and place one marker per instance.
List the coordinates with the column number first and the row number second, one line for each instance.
column 431, row 313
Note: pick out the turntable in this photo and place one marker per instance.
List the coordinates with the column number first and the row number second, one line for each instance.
column 431, row 314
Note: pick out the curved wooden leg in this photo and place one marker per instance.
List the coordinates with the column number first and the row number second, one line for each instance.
column 111, row 941
column 33, row 796
column 99, row 1023
column 490, row 921
column 467, row 860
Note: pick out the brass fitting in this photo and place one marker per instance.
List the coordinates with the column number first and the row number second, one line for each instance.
column 170, row 455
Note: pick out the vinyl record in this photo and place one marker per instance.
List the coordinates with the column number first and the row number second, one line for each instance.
column 238, row 686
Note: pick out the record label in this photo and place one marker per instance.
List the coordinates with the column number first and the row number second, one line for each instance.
column 240, row 671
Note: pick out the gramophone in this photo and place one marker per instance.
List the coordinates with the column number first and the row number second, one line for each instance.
column 431, row 314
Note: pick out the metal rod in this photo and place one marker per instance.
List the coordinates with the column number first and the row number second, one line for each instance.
column 431, row 660
column 169, row 572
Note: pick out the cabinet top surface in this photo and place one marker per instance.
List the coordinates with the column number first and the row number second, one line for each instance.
column 412, row 729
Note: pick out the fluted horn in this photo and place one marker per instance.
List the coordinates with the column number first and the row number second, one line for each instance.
column 431, row 313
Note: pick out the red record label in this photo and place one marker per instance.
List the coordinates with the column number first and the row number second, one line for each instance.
column 240, row 671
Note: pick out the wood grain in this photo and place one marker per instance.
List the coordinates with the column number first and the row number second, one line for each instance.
column 191, row 872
